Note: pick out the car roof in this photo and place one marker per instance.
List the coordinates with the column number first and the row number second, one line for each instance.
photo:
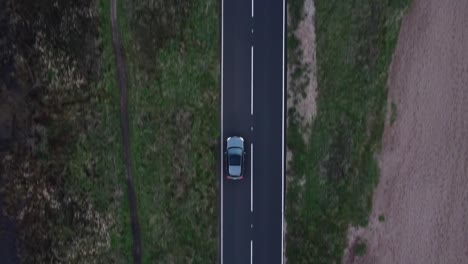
column 235, row 151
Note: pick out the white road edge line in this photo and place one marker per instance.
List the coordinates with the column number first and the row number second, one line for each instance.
column 222, row 136
column 251, row 251
column 282, row 151
column 251, row 177
column 251, row 79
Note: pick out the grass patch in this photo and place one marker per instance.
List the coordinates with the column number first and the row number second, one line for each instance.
column 360, row 248
column 296, row 13
column 111, row 150
column 66, row 180
column 174, row 95
column 355, row 41
column 381, row 218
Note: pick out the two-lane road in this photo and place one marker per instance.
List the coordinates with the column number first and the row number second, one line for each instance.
column 253, row 58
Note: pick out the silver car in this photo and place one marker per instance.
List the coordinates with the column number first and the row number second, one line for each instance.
column 234, row 158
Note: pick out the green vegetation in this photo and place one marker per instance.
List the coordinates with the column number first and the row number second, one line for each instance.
column 174, row 92
column 360, row 248
column 381, row 218
column 66, row 174
column 110, row 150
column 66, row 183
column 355, row 41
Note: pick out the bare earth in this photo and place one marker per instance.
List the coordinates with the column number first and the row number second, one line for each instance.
column 305, row 107
column 423, row 189
column 305, row 32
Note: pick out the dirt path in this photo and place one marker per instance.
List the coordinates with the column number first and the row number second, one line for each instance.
column 423, row 190
column 124, row 117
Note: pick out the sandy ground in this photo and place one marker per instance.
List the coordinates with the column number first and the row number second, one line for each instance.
column 305, row 107
column 306, row 34
column 423, row 190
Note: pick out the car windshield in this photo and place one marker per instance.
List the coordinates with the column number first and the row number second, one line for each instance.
column 234, row 160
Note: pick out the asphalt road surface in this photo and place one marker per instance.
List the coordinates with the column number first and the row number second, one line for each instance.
column 253, row 49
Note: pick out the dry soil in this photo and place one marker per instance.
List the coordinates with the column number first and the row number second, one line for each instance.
column 423, row 189
column 305, row 107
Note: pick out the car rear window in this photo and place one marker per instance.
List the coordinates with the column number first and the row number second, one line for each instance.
column 234, row 160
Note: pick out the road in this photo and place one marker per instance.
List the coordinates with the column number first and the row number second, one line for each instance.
column 253, row 57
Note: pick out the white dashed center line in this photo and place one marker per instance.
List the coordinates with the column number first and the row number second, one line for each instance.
column 252, row 8
column 251, row 177
column 251, row 79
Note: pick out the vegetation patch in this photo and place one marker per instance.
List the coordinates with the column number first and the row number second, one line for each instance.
column 63, row 172
column 360, row 248
column 355, row 42
column 174, row 98
column 63, row 176
column 381, row 218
